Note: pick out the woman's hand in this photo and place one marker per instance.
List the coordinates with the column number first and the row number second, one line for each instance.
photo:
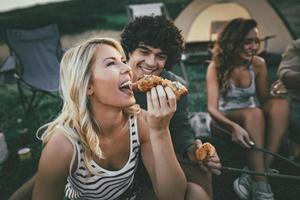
column 241, row 136
column 161, row 103
column 212, row 164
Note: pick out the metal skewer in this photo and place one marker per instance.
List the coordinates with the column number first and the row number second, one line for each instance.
column 266, row 174
column 252, row 172
column 254, row 147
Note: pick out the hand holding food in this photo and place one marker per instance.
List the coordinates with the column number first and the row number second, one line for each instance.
column 205, row 151
column 147, row 82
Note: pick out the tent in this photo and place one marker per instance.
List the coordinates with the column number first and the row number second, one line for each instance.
column 202, row 19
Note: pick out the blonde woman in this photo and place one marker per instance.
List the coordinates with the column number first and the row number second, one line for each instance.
column 92, row 148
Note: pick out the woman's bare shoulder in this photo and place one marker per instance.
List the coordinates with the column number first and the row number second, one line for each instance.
column 259, row 64
column 258, row 61
column 58, row 152
column 60, row 142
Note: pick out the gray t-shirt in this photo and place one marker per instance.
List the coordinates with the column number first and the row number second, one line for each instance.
column 291, row 64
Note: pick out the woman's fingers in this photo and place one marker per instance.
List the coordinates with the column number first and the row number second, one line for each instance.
column 172, row 102
column 149, row 101
column 244, row 143
column 241, row 137
column 155, row 98
column 161, row 98
column 161, row 104
column 246, row 140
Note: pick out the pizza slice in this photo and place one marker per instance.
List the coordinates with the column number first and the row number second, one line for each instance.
column 147, row 82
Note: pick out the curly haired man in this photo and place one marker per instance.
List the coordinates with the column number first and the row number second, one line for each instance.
column 153, row 45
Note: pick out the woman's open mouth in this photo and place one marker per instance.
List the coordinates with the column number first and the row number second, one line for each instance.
column 126, row 87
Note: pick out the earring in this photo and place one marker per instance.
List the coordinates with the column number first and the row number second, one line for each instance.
column 90, row 91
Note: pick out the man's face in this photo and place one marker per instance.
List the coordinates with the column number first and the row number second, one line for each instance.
column 147, row 60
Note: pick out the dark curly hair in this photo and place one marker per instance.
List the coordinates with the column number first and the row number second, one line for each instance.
column 228, row 46
column 155, row 31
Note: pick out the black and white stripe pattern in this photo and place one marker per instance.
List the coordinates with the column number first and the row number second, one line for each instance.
column 105, row 184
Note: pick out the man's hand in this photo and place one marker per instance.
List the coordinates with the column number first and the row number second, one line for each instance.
column 212, row 164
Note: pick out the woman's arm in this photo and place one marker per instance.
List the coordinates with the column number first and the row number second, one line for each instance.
column 260, row 69
column 238, row 134
column 53, row 168
column 158, row 154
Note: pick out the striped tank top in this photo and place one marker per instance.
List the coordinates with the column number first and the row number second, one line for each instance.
column 105, row 184
column 238, row 98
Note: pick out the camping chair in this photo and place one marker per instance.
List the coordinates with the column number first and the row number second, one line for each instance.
column 7, row 69
column 37, row 55
column 149, row 9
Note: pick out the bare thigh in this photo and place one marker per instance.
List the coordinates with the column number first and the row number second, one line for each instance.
column 251, row 119
column 241, row 115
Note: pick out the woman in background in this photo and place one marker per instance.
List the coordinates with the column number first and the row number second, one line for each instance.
column 239, row 101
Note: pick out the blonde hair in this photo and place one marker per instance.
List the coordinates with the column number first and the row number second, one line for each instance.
column 76, row 118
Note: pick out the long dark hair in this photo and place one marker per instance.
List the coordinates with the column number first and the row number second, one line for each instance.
column 228, row 46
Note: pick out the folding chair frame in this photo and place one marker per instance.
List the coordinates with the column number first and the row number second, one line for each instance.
column 30, row 101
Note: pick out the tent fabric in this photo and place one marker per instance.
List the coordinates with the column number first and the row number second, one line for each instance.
column 197, row 18
column 147, row 9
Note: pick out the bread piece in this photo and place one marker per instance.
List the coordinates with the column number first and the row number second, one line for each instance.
column 205, row 151
column 147, row 82
column 178, row 89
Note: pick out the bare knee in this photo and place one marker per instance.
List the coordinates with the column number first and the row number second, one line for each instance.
column 277, row 108
column 254, row 118
column 254, row 123
column 195, row 192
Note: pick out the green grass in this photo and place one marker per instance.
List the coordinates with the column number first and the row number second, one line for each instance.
column 19, row 129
